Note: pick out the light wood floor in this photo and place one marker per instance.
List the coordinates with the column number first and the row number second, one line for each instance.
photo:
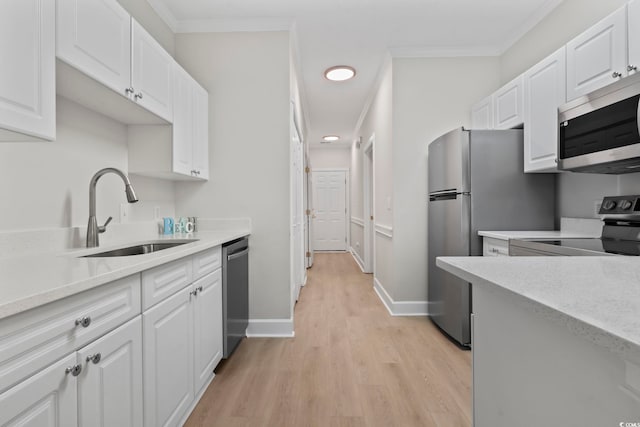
column 350, row 364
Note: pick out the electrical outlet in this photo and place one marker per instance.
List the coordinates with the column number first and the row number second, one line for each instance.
column 124, row 212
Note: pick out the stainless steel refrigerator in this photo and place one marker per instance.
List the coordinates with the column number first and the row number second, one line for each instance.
column 476, row 182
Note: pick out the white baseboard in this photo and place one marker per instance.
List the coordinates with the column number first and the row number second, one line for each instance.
column 400, row 308
column 359, row 260
column 270, row 328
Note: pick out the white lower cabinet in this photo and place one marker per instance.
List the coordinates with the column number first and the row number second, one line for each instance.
column 168, row 360
column 110, row 384
column 47, row 399
column 99, row 385
column 494, row 247
column 182, row 345
column 207, row 327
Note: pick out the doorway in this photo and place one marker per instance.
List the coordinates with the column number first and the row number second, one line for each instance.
column 368, row 189
column 330, row 209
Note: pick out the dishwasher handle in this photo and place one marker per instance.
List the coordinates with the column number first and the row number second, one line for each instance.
column 237, row 254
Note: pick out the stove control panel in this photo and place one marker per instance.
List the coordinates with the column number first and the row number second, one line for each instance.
column 620, row 205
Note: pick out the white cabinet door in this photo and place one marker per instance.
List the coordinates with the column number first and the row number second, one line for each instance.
column 94, row 36
column 207, row 326
column 168, row 360
column 47, row 399
column 508, row 105
column 482, row 114
column 110, row 384
column 151, row 73
column 545, row 91
column 200, row 131
column 633, row 21
column 598, row 56
column 27, row 72
column 182, row 122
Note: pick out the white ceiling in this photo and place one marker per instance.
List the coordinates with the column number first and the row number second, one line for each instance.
column 361, row 33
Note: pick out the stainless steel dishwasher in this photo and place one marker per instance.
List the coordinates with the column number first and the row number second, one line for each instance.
column 235, row 293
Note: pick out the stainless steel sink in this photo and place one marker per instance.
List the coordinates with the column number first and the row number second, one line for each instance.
column 145, row 248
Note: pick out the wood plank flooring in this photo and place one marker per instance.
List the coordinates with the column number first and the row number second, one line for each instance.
column 350, row 364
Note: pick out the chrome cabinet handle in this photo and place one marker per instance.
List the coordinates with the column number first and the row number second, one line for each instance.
column 129, row 90
column 632, row 68
column 73, row 370
column 84, row 321
column 616, row 74
column 95, row 358
column 138, row 95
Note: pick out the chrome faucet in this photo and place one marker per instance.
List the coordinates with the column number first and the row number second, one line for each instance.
column 93, row 229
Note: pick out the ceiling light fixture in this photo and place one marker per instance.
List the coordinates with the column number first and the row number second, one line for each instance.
column 340, row 73
column 330, row 138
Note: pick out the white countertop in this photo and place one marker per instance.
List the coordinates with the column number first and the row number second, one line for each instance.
column 542, row 235
column 596, row 297
column 29, row 281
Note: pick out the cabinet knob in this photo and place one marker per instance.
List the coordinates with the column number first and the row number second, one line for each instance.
column 194, row 292
column 73, row 370
column 129, row 90
column 138, row 95
column 616, row 74
column 95, row 358
column 199, row 288
column 632, row 68
column 84, row 321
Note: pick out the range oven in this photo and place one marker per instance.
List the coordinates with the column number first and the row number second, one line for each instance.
column 620, row 234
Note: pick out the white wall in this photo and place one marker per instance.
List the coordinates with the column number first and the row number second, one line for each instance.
column 577, row 192
column 247, row 76
column 430, row 97
column 328, row 158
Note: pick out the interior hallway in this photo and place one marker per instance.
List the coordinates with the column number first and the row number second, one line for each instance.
column 350, row 364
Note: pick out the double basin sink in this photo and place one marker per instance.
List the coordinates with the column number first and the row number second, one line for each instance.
column 141, row 249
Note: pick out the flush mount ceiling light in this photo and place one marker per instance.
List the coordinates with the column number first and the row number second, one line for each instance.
column 330, row 138
column 340, row 73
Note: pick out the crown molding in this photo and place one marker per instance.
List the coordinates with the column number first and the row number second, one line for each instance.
column 534, row 19
column 442, row 51
column 164, row 13
column 233, row 25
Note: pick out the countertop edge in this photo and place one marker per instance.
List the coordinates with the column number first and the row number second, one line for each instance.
column 29, row 302
column 576, row 325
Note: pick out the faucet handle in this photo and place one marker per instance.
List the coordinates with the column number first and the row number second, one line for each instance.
column 103, row 228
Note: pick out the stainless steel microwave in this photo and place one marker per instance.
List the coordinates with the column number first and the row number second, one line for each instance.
column 599, row 132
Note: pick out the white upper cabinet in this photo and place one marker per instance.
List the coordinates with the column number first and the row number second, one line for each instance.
column 544, row 92
column 633, row 12
column 598, row 57
column 508, row 105
column 181, row 151
column 98, row 41
column 151, row 73
column 95, row 37
column 27, row 73
column 482, row 114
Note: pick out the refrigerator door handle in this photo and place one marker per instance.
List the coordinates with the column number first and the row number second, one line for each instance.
column 446, row 195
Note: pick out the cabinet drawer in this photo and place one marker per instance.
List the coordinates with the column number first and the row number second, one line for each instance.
column 164, row 281
column 206, row 262
column 495, row 247
column 31, row 340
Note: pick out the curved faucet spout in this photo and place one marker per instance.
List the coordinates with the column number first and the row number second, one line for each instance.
column 93, row 230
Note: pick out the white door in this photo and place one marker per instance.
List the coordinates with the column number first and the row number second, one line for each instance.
column 47, row 399
column 297, row 214
column 330, row 224
column 167, row 347
column 27, row 70
column 94, row 36
column 545, row 91
column 309, row 214
column 110, row 384
column 207, row 326
column 151, row 73
column 598, row 56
